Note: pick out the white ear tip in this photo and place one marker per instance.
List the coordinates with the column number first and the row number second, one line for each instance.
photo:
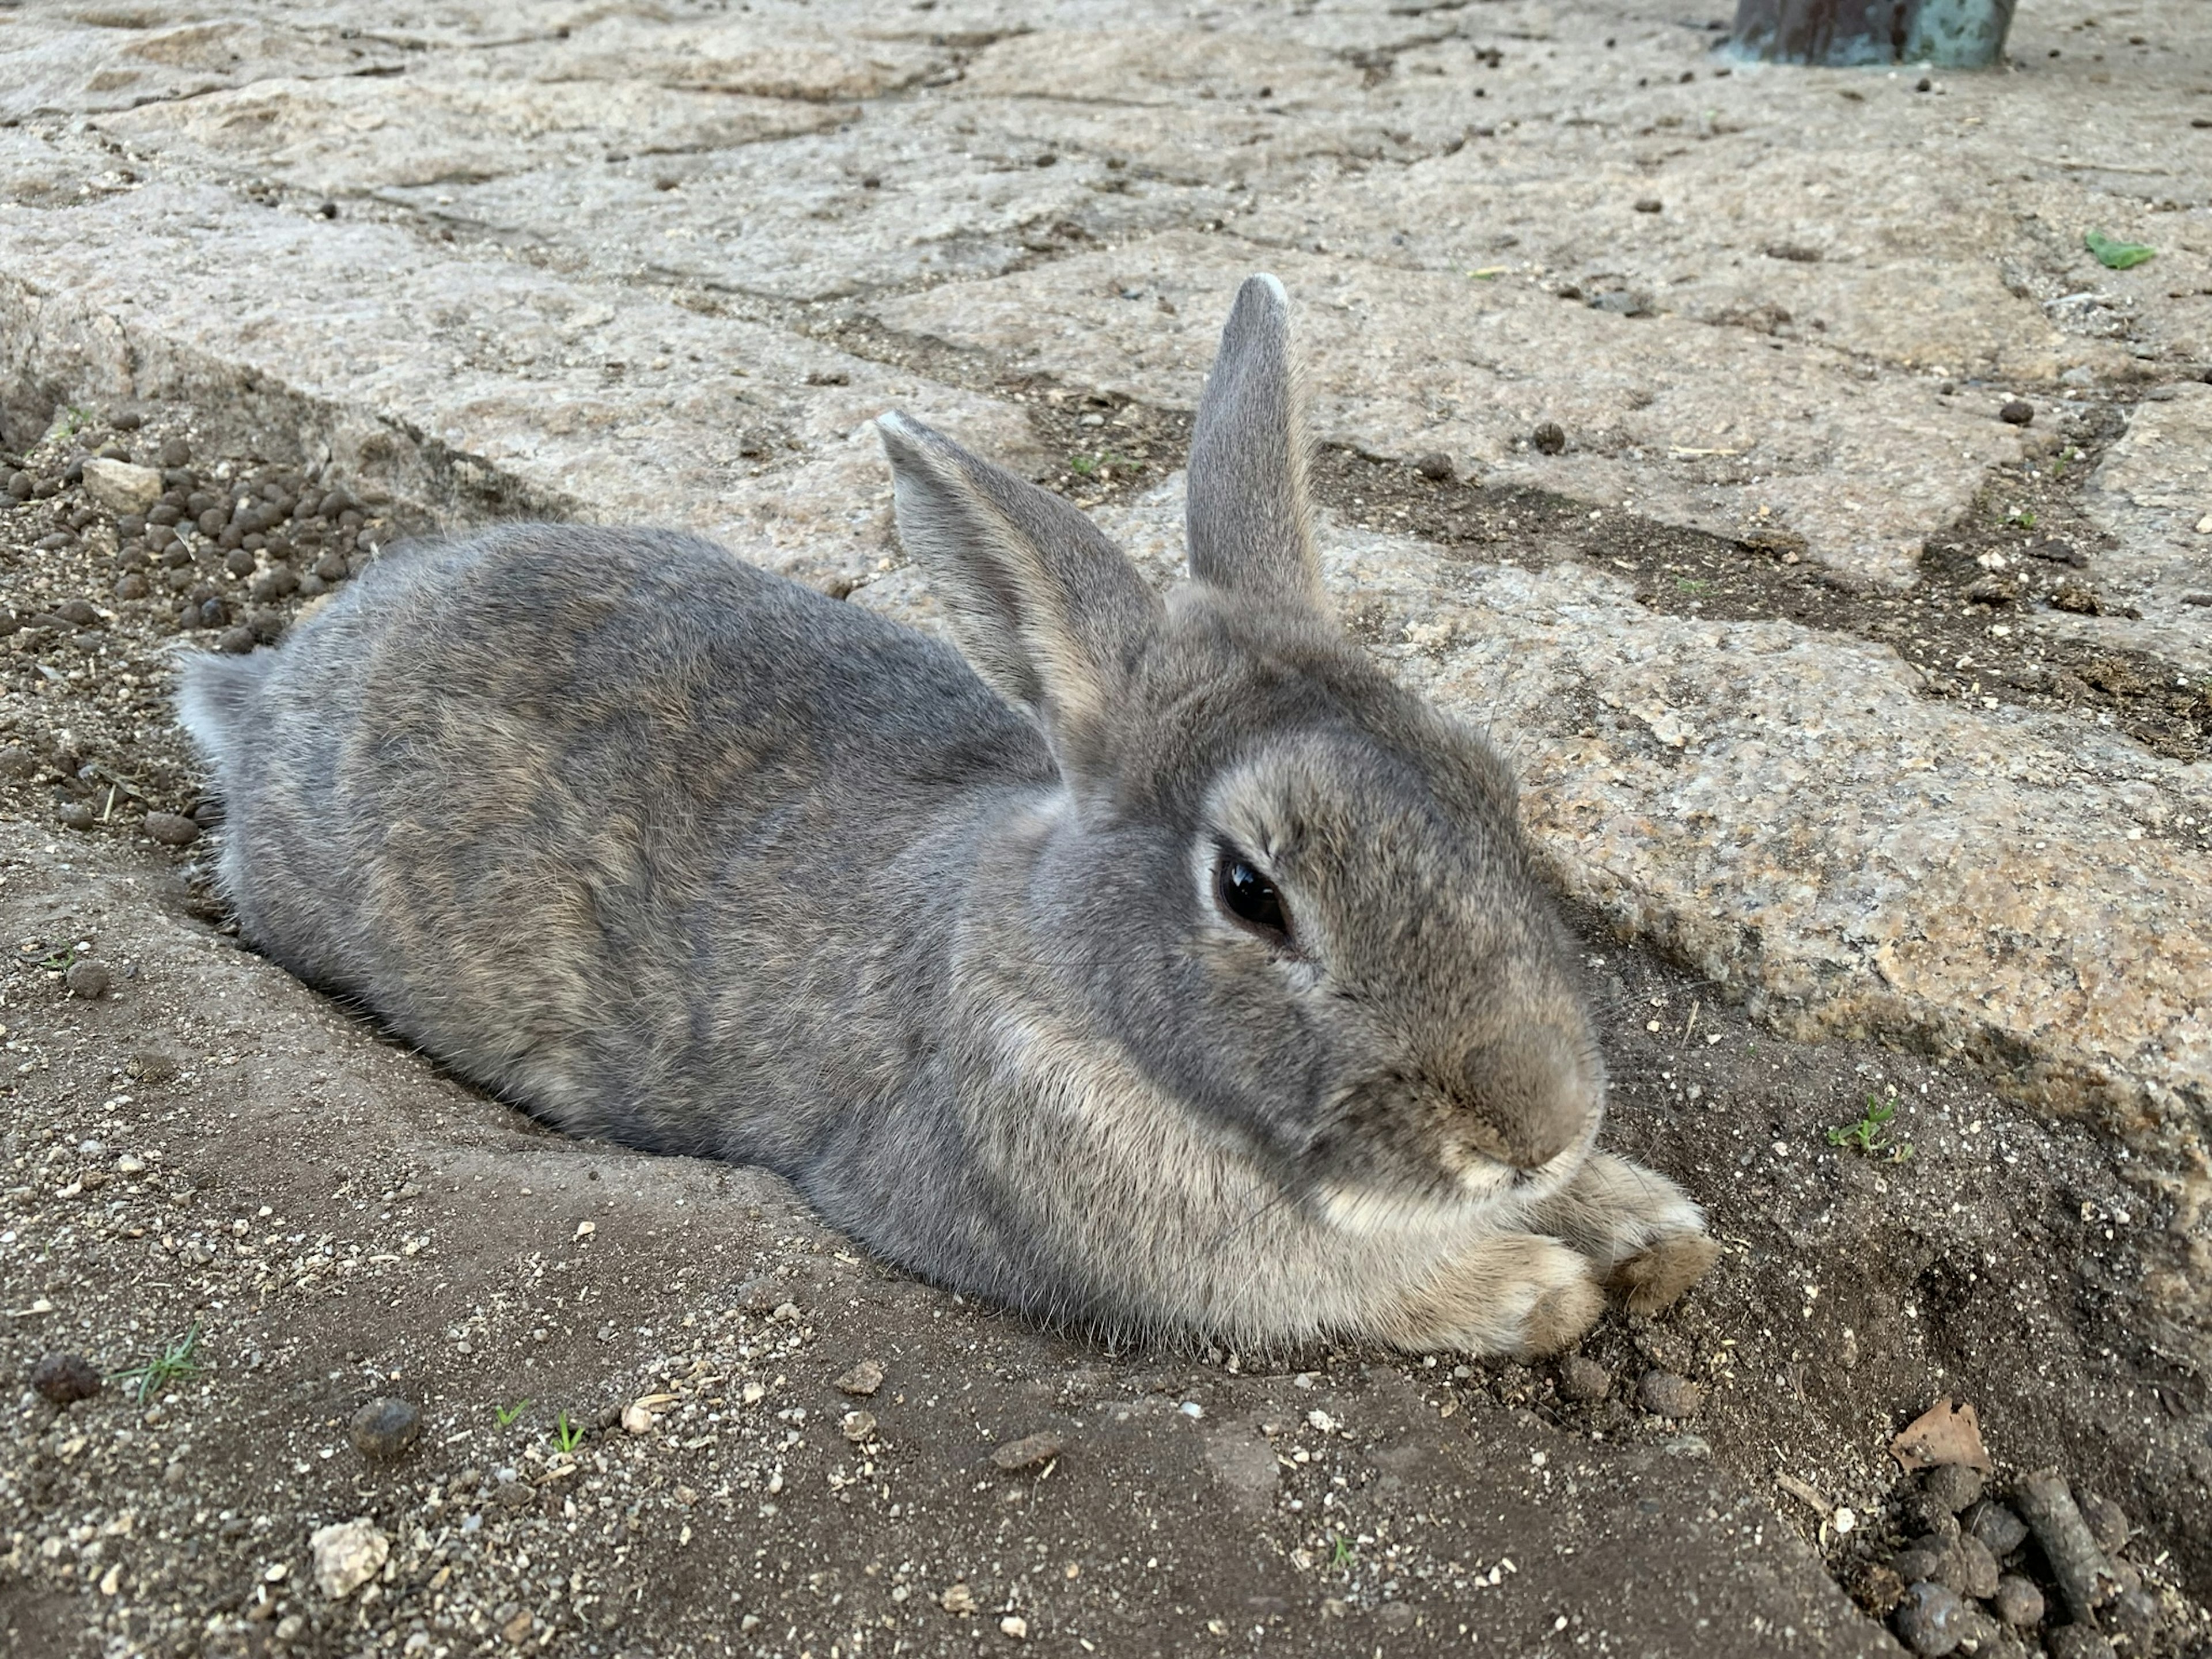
column 1273, row 284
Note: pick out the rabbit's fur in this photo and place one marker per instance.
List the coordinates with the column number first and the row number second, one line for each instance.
column 672, row 850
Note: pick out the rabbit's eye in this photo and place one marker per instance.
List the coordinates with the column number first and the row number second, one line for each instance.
column 1250, row 897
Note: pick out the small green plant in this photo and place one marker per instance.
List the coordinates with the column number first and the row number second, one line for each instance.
column 173, row 1362
column 1870, row 1136
column 566, row 1435
column 60, row 960
column 1690, row 585
column 1341, row 1553
column 2117, row 255
column 507, row 1415
column 1088, row 465
column 2025, row 518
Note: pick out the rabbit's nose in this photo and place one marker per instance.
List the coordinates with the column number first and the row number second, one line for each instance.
column 1529, row 1097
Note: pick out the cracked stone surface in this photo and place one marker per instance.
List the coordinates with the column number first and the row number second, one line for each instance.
column 626, row 262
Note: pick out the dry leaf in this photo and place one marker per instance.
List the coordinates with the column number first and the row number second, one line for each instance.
column 1949, row 1431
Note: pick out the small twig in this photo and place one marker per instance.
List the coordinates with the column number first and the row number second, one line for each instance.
column 2073, row 165
column 1694, row 1005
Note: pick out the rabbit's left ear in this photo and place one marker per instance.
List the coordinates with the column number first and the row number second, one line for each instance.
column 1045, row 608
column 1248, row 517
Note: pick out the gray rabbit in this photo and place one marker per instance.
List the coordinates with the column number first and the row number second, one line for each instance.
column 1162, row 968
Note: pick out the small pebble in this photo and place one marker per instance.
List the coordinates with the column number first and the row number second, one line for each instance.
column 2134, row 1613
column 63, row 1378
column 347, row 1555
column 172, row 829
column 1665, row 1394
column 1954, row 1486
column 1582, row 1378
column 1977, row 1567
column 1927, row 1559
column 863, row 1379
column 76, row 815
column 1435, row 464
column 2078, row 1642
column 385, row 1427
column 1650, row 205
column 1550, row 438
column 1028, row 1452
column 2108, row 1521
column 121, row 486
column 1997, row 1527
column 236, row 641
column 88, row 979
column 2018, row 1601
column 132, row 586
column 1014, row 1626
column 636, row 1420
column 957, row 1598
column 2017, row 411
column 1928, row 1620
column 859, row 1425
column 176, row 453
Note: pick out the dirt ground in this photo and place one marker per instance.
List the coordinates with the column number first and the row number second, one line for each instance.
column 633, row 1439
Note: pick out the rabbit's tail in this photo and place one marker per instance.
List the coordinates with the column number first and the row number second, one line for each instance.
column 215, row 700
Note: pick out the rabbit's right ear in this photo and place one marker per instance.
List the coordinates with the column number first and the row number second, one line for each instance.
column 1247, row 516
column 1043, row 607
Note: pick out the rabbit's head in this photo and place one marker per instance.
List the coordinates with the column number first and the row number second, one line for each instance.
column 1285, row 889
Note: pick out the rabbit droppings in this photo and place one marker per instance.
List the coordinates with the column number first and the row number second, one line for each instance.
column 1162, row 968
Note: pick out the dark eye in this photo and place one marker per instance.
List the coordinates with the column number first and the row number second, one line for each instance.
column 1250, row 897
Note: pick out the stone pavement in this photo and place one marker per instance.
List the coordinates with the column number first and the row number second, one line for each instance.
column 597, row 259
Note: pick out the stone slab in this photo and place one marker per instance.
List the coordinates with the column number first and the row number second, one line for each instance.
column 433, row 377
column 59, row 64
column 344, row 135
column 1667, row 417
column 2152, row 494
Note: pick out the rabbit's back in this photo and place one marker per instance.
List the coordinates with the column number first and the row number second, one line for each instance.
column 613, row 823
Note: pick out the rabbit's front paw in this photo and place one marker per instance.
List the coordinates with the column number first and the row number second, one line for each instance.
column 1656, row 1275
column 1512, row 1293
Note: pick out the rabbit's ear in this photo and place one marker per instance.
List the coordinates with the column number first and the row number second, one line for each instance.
column 1045, row 608
column 1247, row 520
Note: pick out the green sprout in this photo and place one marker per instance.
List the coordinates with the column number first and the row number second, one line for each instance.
column 1871, row 1135
column 172, row 1363
column 507, row 1415
column 1688, row 584
column 1341, row 1554
column 566, row 1435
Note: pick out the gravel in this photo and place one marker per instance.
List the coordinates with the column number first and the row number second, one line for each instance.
column 1584, row 1379
column 172, row 829
column 1665, row 1394
column 88, row 979
column 1929, row 1620
column 384, row 1428
column 2018, row 1601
